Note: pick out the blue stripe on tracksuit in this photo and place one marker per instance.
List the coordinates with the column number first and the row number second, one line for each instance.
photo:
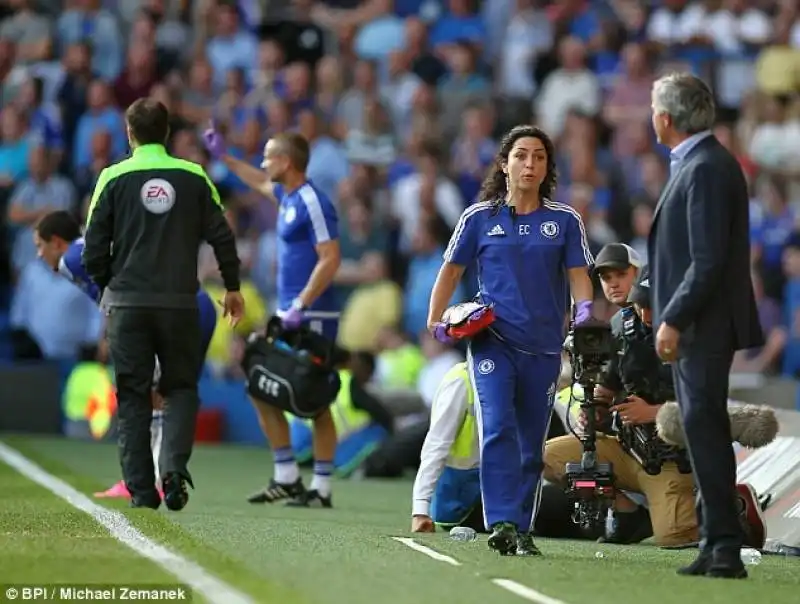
column 514, row 396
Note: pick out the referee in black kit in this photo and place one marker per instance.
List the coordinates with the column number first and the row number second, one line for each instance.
column 148, row 216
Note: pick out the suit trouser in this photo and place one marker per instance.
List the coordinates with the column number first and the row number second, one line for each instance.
column 514, row 394
column 670, row 494
column 701, row 382
column 136, row 336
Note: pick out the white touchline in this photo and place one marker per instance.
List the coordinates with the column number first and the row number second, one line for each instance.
column 195, row 576
column 427, row 551
column 525, row 592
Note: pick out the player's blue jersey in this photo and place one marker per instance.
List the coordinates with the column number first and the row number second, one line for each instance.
column 522, row 264
column 306, row 217
column 70, row 266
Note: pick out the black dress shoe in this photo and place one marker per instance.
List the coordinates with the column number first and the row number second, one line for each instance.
column 727, row 564
column 699, row 567
column 727, row 572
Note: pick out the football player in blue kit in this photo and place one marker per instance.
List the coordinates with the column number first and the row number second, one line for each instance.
column 59, row 243
column 531, row 253
column 308, row 258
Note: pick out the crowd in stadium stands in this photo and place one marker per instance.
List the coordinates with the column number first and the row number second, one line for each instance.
column 403, row 102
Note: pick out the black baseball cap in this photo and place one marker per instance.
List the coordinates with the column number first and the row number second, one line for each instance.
column 640, row 292
column 617, row 255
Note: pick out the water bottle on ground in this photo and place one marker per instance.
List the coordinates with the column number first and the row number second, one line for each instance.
column 463, row 533
column 750, row 556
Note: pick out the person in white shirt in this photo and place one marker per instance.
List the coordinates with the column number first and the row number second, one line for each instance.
column 447, row 489
column 570, row 87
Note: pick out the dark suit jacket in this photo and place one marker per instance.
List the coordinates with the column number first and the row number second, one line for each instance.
column 699, row 252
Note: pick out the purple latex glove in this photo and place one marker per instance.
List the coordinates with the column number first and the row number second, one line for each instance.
column 214, row 142
column 583, row 311
column 292, row 318
column 439, row 332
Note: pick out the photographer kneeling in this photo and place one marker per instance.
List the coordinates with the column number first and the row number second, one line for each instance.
column 630, row 394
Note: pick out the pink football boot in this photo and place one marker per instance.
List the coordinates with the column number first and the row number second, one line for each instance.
column 118, row 491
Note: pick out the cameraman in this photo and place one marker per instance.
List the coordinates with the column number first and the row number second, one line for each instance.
column 634, row 386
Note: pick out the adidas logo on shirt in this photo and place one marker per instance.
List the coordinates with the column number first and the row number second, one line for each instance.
column 495, row 231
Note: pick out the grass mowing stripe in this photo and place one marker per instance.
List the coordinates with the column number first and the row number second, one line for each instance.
column 188, row 572
column 39, row 532
column 339, row 555
column 162, row 526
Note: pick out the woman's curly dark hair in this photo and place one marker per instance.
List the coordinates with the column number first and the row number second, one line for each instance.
column 494, row 185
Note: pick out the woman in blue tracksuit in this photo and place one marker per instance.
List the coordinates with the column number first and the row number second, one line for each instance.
column 528, row 250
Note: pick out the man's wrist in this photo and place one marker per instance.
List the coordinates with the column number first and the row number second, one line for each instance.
column 298, row 304
column 421, row 507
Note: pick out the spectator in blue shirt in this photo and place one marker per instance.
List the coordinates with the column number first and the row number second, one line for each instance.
column 232, row 46
column 770, row 235
column 460, row 23
column 422, row 270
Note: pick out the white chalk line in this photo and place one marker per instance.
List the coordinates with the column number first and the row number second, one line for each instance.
column 526, row 592
column 509, row 585
column 199, row 579
column 417, row 547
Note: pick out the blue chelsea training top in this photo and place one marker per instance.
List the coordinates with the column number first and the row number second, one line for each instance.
column 306, row 218
column 522, row 263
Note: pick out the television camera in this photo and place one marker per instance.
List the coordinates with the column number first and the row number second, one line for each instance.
column 590, row 485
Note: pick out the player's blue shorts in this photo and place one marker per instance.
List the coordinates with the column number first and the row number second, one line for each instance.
column 208, row 319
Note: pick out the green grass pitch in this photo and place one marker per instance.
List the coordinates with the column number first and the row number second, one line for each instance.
column 346, row 555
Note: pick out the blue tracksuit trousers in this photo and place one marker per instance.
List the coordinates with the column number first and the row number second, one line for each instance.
column 514, row 393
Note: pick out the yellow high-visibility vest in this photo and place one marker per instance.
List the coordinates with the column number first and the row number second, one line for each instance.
column 347, row 418
column 464, row 450
column 89, row 396
column 566, row 396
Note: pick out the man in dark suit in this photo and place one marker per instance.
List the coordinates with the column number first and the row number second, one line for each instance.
column 703, row 302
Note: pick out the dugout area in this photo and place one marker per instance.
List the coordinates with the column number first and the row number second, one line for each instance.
column 346, row 555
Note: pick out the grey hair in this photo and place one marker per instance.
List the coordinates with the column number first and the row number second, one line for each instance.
column 687, row 100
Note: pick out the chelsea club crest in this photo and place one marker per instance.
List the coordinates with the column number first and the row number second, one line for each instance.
column 549, row 229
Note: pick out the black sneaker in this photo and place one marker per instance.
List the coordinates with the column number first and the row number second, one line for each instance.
column 176, row 496
column 276, row 491
column 310, row 499
column 526, row 546
column 503, row 539
column 629, row 527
